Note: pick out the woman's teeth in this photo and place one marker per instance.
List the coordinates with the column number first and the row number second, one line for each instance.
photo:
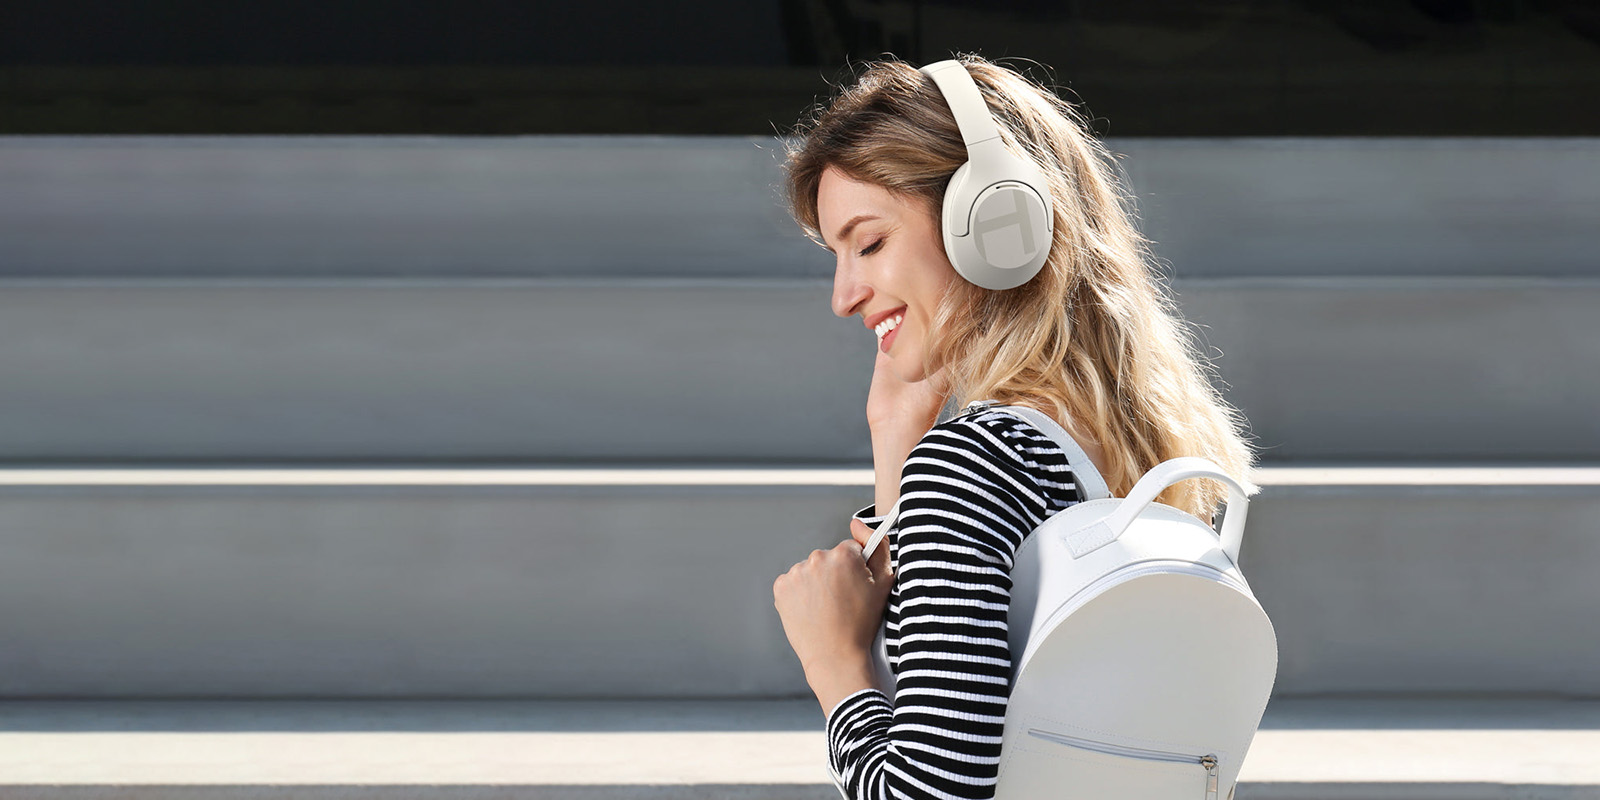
column 888, row 325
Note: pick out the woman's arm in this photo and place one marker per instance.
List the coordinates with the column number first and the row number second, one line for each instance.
column 971, row 497
column 836, row 679
column 892, row 444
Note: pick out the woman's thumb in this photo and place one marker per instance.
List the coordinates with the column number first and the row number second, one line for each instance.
column 860, row 531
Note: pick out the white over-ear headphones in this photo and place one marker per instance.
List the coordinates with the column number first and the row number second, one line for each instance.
column 996, row 221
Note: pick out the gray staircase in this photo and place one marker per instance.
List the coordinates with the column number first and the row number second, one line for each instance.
column 385, row 421
column 629, row 582
column 279, row 207
column 759, row 373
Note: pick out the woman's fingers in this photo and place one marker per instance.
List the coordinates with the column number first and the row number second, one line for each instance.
column 878, row 565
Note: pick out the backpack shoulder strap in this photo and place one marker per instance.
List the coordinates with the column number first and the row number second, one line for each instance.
column 1091, row 485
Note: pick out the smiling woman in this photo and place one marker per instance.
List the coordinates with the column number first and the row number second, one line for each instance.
column 1090, row 339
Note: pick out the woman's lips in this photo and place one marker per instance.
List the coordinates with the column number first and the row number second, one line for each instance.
column 889, row 339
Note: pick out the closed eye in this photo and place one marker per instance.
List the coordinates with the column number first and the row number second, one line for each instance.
column 873, row 248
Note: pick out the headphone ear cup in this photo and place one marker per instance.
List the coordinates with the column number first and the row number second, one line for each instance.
column 998, row 236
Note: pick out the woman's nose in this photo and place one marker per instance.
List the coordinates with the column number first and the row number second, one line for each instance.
column 848, row 291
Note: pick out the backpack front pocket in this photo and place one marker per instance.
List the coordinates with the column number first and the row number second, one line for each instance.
column 1149, row 773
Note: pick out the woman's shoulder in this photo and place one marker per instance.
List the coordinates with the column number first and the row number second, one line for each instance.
column 1000, row 442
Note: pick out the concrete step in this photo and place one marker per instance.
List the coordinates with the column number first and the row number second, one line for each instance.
column 1338, row 748
column 754, row 372
column 709, row 206
column 629, row 582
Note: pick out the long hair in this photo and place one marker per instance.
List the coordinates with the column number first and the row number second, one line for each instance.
column 1095, row 337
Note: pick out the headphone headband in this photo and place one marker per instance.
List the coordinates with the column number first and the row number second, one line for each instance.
column 966, row 102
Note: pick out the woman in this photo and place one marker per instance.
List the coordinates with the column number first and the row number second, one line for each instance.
column 1093, row 341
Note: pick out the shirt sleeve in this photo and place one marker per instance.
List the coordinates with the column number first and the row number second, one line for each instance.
column 968, row 500
column 870, row 515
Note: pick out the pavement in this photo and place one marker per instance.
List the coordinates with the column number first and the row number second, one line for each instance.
column 1327, row 748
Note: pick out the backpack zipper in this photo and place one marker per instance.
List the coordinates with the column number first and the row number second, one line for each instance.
column 1207, row 760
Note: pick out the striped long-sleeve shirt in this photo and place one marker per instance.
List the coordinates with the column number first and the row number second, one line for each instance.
column 972, row 488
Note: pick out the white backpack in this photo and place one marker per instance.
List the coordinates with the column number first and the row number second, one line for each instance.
column 1141, row 661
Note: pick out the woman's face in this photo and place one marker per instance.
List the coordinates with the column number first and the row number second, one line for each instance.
column 904, row 269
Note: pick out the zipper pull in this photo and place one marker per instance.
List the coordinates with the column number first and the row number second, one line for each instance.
column 1210, row 763
column 976, row 406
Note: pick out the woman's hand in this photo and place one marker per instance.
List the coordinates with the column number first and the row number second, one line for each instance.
column 892, row 402
column 832, row 605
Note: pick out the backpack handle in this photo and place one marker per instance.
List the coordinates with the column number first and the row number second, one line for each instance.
column 1154, row 483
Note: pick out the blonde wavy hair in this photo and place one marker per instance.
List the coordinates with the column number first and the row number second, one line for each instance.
column 1095, row 337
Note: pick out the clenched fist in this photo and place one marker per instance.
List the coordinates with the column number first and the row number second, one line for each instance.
column 832, row 603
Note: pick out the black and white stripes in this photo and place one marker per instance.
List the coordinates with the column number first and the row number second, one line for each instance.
column 973, row 487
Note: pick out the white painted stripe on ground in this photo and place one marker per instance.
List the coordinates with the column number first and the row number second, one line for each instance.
column 1407, row 743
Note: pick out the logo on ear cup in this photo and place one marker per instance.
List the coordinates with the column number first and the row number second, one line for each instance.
column 1004, row 222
